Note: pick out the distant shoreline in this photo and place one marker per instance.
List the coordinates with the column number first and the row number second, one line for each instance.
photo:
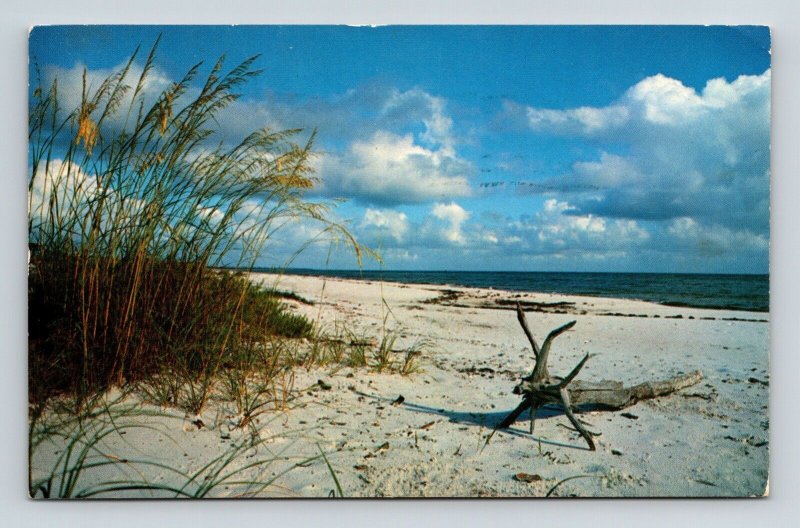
column 543, row 272
column 738, row 292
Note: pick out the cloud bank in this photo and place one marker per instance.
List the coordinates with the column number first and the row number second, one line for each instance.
column 665, row 172
column 692, row 165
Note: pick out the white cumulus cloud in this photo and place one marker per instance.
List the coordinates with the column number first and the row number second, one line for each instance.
column 453, row 216
column 711, row 240
column 583, row 120
column 685, row 153
column 557, row 228
column 60, row 190
column 378, row 224
column 393, row 169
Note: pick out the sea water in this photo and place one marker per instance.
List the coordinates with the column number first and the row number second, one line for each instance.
column 729, row 292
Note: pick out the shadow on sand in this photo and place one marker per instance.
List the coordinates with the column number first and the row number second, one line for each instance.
column 490, row 420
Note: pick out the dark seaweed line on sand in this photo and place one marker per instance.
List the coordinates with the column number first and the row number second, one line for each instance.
column 451, row 298
column 720, row 296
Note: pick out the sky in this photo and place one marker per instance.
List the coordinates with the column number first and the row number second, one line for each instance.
column 535, row 148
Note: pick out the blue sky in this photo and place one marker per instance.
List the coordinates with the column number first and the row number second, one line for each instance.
column 576, row 148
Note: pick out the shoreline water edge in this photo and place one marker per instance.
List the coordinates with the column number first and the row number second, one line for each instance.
column 693, row 290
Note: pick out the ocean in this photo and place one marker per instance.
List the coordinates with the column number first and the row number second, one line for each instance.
column 729, row 292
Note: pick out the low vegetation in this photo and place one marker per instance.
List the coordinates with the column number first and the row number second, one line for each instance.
column 135, row 199
column 140, row 214
column 80, row 456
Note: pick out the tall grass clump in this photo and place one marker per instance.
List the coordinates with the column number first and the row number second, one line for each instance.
column 135, row 200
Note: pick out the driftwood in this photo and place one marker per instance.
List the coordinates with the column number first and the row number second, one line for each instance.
column 540, row 388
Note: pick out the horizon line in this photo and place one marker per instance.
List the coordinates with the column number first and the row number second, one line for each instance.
column 334, row 270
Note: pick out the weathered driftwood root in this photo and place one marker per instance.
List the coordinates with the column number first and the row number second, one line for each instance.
column 540, row 388
column 610, row 395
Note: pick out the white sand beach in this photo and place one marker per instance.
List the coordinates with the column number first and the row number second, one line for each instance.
column 710, row 439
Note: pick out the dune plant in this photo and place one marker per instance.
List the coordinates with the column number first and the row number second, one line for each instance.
column 92, row 458
column 136, row 200
column 357, row 351
column 79, row 440
column 410, row 363
column 382, row 356
column 259, row 380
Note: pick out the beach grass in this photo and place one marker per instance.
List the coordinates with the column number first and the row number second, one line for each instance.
column 91, row 458
column 144, row 223
column 135, row 203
